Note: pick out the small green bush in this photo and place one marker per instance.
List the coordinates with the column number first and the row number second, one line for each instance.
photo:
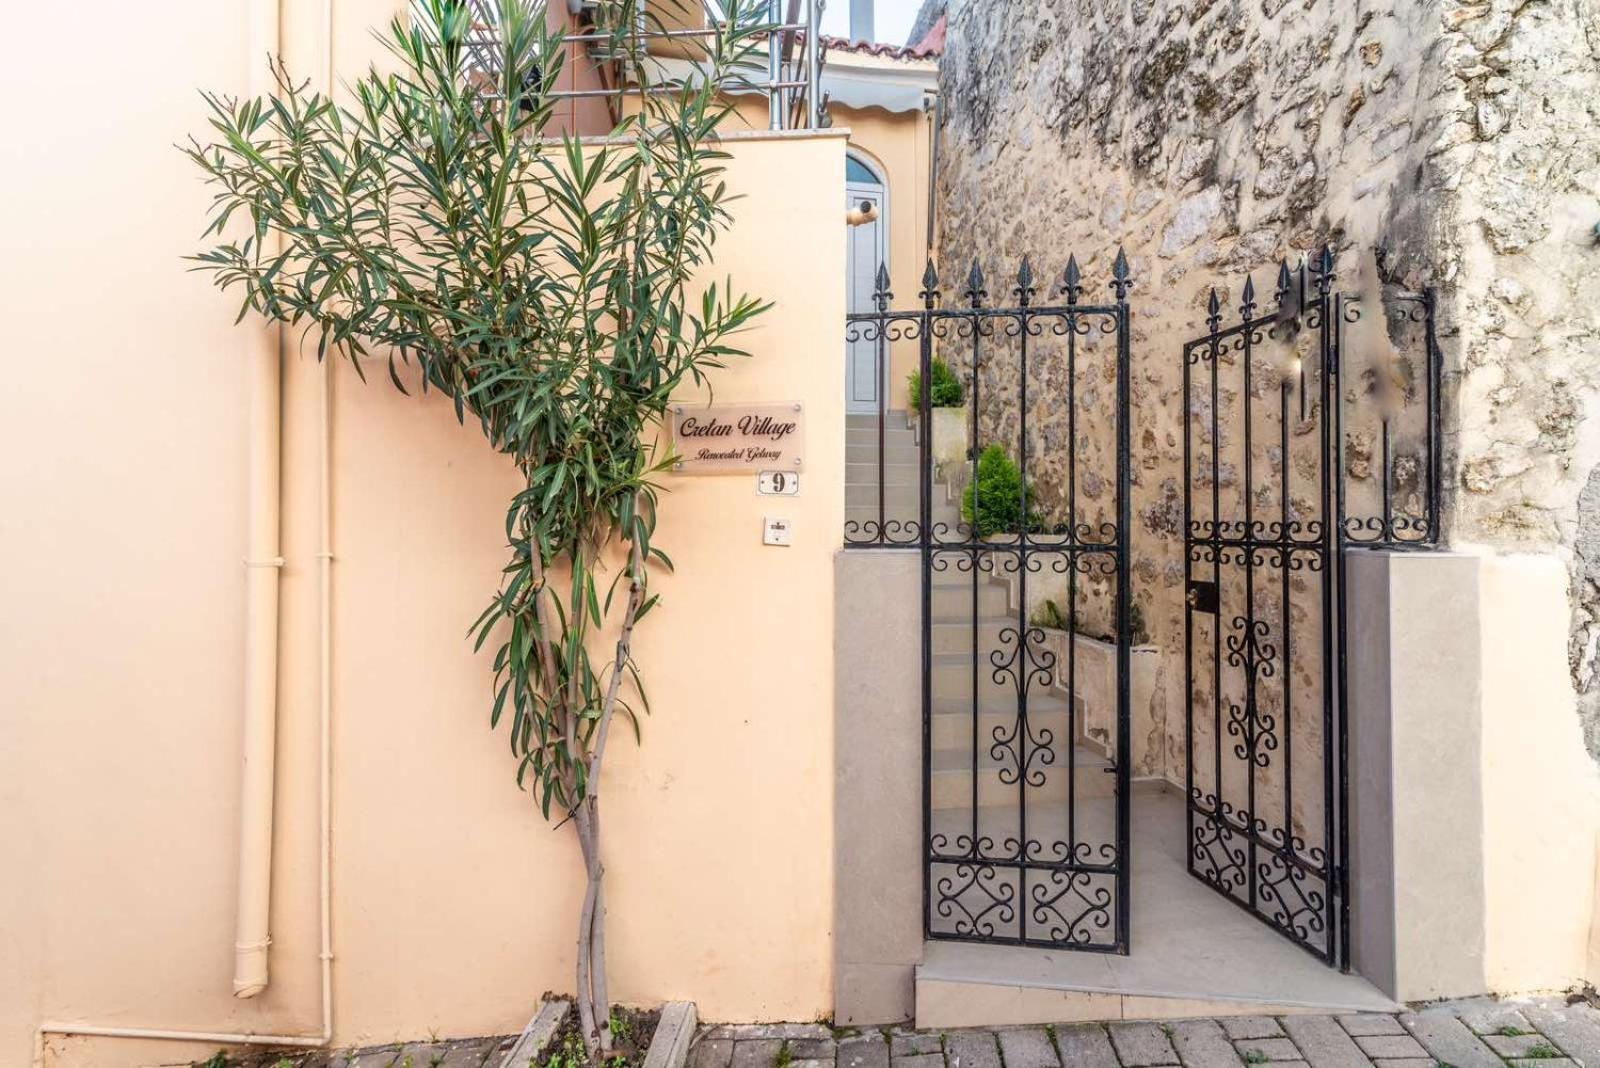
column 947, row 388
column 999, row 494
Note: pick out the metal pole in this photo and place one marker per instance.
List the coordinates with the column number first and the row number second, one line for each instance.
column 813, row 69
column 774, row 66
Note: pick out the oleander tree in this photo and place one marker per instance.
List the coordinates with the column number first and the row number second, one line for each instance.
column 547, row 289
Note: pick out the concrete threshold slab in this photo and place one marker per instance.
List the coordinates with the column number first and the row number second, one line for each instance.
column 1193, row 954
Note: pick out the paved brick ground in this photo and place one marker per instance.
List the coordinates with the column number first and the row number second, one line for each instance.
column 1469, row 1034
column 1472, row 1034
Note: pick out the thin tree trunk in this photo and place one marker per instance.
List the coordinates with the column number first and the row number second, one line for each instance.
column 586, row 1013
column 592, row 984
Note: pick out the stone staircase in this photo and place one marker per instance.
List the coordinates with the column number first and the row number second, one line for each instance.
column 967, row 622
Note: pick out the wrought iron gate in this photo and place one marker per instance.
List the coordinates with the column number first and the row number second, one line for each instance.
column 1023, row 529
column 1283, row 416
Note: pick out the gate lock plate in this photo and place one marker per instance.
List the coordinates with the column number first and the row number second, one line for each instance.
column 1203, row 596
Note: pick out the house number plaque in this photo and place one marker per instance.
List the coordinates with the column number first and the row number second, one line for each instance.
column 722, row 439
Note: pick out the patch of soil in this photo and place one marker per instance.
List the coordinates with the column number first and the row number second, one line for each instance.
column 631, row 1032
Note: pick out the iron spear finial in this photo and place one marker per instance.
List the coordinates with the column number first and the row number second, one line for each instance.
column 1119, row 275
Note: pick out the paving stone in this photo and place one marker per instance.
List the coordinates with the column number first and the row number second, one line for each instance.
column 468, row 1054
column 1324, row 1043
column 911, row 1043
column 1448, row 1040
column 375, row 1058
column 1251, row 1027
column 1084, row 1046
column 1203, row 1044
column 973, row 1049
column 780, row 1031
column 1371, row 1023
column 1404, row 1062
column 711, row 1053
column 1492, row 1017
column 756, row 1053
column 1509, row 1046
column 864, row 1051
column 1027, row 1047
column 1393, row 1047
column 812, row 1049
column 422, row 1055
column 812, row 1062
column 1140, row 1045
column 1573, row 1029
column 1544, row 1062
column 1253, row 1050
column 920, row 1060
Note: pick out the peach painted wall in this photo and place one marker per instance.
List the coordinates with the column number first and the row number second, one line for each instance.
column 121, row 621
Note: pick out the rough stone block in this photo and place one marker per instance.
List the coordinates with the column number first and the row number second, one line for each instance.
column 1448, row 1040
column 1251, row 1027
column 1323, row 1043
column 972, row 1049
column 1509, row 1046
column 1204, row 1044
column 864, row 1051
column 669, row 1046
column 537, row 1035
column 813, row 1049
column 1084, row 1046
column 920, row 1060
column 914, row 1043
column 756, row 1053
column 1392, row 1047
column 1141, row 1045
column 1027, row 1047
column 712, row 1053
column 1573, row 1029
column 1371, row 1023
column 1252, row 1050
column 1488, row 1018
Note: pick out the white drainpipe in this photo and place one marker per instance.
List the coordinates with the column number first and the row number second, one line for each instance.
column 262, row 567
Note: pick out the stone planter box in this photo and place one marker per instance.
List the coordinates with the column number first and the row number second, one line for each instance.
column 1095, row 678
column 950, row 434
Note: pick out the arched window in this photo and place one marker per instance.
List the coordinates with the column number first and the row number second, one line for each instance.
column 858, row 173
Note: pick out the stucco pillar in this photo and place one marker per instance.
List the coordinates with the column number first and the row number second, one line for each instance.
column 878, row 785
column 1418, row 902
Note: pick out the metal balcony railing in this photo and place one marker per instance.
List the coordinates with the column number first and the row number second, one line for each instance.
column 787, row 70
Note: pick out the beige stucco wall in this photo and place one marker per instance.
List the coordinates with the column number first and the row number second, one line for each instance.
column 897, row 144
column 121, row 629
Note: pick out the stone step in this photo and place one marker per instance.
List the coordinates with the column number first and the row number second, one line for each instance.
column 952, row 675
column 893, row 419
column 950, row 725
column 868, row 473
column 1080, row 771
column 952, row 599
column 904, row 498
column 957, row 636
column 892, row 439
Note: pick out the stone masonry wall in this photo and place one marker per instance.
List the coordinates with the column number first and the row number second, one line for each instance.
column 1213, row 138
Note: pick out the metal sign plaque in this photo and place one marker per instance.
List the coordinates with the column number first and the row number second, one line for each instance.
column 721, row 439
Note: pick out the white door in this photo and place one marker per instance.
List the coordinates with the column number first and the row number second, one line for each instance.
column 865, row 373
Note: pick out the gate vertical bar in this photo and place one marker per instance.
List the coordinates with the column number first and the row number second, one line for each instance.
column 930, row 295
column 1328, row 401
column 1124, row 621
column 1339, row 865
column 1024, row 292
column 1250, row 727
